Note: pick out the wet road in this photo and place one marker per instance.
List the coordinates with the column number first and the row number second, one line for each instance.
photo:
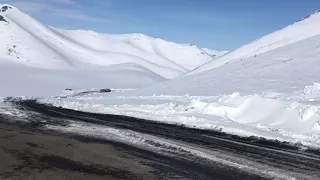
column 54, row 143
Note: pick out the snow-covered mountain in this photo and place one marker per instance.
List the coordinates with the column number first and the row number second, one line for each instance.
column 188, row 56
column 27, row 41
column 302, row 29
column 286, row 70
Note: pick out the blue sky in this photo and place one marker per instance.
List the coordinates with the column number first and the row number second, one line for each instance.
column 215, row 24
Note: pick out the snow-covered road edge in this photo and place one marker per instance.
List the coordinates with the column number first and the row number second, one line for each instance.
column 7, row 108
column 294, row 118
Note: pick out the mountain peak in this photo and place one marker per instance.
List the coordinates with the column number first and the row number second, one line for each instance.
column 5, row 7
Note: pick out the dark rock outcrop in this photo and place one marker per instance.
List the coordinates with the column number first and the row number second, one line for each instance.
column 316, row 12
column 105, row 90
column 5, row 8
column 3, row 19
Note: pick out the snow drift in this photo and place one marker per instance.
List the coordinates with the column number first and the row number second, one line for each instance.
column 251, row 115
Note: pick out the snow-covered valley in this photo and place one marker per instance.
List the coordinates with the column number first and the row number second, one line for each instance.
column 268, row 88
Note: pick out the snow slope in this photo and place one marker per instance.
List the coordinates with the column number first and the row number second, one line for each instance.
column 29, row 42
column 286, row 70
column 187, row 56
column 21, row 80
column 303, row 29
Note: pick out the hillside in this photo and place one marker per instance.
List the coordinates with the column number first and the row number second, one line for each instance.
column 285, row 70
column 300, row 30
column 27, row 41
column 187, row 56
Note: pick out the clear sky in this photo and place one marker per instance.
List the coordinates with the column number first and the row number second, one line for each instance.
column 215, row 24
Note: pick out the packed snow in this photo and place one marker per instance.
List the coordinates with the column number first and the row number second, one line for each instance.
column 267, row 88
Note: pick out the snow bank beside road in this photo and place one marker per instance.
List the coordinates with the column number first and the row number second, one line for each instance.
column 287, row 118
